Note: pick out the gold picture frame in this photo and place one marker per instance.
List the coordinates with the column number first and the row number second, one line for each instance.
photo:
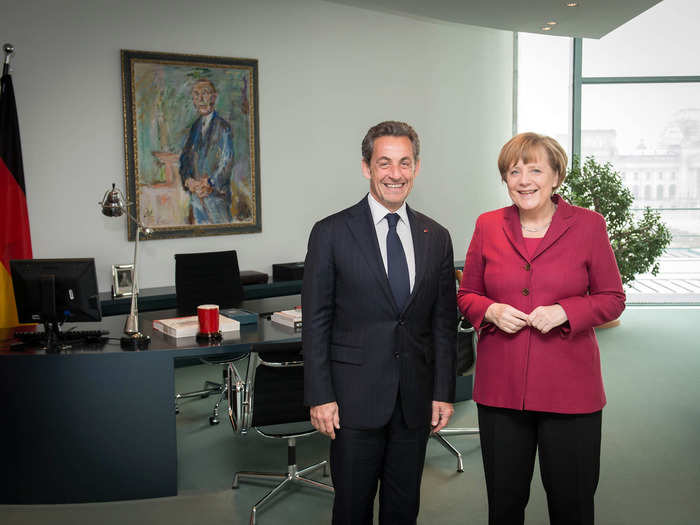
column 191, row 143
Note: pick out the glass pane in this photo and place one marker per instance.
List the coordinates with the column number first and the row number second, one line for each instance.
column 650, row 133
column 544, row 86
column 684, row 225
column 661, row 41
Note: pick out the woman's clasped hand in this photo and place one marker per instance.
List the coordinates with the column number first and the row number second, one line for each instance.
column 512, row 320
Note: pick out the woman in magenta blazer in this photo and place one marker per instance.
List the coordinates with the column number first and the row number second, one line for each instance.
column 538, row 276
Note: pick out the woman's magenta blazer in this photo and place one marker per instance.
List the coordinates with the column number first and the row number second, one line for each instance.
column 573, row 266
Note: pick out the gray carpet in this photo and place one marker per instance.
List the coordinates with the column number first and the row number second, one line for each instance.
column 650, row 461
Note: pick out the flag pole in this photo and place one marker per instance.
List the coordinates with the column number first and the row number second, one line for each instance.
column 9, row 49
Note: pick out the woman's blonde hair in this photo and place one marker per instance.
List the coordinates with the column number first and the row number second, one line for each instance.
column 525, row 146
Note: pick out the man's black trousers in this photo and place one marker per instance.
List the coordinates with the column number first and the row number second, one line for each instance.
column 391, row 456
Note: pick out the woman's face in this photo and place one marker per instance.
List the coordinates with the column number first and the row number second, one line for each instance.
column 530, row 186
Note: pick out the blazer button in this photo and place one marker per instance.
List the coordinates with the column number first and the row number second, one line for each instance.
column 527, row 267
column 526, row 291
column 401, row 322
column 396, row 355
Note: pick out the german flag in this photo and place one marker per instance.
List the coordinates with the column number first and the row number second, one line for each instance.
column 15, row 239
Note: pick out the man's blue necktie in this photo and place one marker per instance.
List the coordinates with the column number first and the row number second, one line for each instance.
column 396, row 263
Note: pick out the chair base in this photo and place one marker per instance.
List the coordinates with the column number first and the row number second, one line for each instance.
column 440, row 437
column 293, row 476
column 210, row 387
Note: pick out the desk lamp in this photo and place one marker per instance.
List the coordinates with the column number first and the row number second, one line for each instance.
column 113, row 204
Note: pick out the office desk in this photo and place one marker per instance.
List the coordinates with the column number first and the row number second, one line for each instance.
column 99, row 424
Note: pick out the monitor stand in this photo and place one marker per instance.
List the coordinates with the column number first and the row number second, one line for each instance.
column 52, row 327
column 53, row 343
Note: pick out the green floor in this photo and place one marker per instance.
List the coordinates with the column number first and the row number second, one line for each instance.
column 650, row 465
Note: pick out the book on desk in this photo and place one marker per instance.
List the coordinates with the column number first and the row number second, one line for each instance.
column 189, row 326
column 290, row 318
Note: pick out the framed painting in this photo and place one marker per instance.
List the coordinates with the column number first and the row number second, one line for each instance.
column 191, row 143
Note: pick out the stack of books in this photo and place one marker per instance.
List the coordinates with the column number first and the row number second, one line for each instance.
column 189, row 326
column 291, row 318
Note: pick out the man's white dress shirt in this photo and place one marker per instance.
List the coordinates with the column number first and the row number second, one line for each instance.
column 403, row 229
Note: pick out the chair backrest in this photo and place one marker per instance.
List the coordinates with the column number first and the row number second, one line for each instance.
column 207, row 278
column 272, row 392
column 466, row 346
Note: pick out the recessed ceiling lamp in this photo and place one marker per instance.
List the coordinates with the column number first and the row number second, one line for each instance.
column 551, row 23
column 571, row 4
column 546, row 28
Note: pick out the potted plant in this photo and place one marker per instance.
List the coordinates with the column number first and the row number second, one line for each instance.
column 637, row 243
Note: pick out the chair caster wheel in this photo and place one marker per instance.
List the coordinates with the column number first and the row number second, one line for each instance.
column 213, row 420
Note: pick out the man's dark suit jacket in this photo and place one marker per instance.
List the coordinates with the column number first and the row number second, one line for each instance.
column 359, row 349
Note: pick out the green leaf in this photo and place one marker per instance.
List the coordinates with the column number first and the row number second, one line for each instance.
column 637, row 243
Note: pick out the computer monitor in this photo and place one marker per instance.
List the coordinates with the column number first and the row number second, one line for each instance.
column 53, row 291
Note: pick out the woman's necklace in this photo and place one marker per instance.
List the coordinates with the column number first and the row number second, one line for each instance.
column 535, row 230
column 541, row 228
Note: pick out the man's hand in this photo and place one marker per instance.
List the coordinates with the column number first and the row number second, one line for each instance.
column 204, row 189
column 544, row 318
column 442, row 412
column 325, row 418
column 191, row 184
column 507, row 318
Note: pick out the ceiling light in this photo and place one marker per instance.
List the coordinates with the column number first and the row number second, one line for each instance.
column 571, row 4
column 551, row 23
column 546, row 28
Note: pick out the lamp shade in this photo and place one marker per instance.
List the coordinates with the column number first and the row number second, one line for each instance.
column 113, row 204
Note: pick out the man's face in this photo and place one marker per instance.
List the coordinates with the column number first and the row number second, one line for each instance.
column 203, row 98
column 391, row 171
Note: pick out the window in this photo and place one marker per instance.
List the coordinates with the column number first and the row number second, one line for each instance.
column 544, row 86
column 662, row 41
column 640, row 88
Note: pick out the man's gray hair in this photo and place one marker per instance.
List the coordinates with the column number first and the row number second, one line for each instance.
column 389, row 128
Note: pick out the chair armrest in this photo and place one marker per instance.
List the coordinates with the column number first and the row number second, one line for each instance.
column 279, row 355
column 239, row 400
column 464, row 326
column 279, row 364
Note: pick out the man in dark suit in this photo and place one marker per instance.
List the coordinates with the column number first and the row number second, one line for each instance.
column 379, row 335
column 206, row 161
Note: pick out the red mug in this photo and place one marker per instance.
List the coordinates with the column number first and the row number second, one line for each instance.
column 208, row 315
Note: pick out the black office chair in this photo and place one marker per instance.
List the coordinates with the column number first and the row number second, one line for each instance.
column 272, row 393
column 466, row 342
column 208, row 278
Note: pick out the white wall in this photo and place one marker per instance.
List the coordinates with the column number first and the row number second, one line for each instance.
column 327, row 72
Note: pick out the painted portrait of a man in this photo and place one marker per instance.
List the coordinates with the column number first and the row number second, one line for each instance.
column 206, row 161
column 192, row 166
